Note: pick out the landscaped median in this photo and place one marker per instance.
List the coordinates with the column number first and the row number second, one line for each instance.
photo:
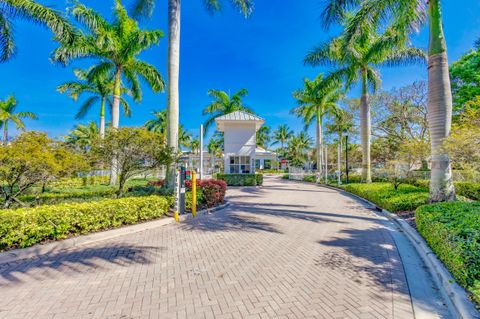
column 25, row 227
column 452, row 230
column 241, row 179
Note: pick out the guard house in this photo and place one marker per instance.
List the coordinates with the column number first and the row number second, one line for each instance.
column 239, row 129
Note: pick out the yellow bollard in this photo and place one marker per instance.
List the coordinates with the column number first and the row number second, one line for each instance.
column 194, row 193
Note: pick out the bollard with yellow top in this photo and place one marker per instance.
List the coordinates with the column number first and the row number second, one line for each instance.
column 194, row 193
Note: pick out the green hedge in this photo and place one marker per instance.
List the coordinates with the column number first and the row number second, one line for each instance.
column 466, row 189
column 310, row 178
column 453, row 232
column 74, row 195
column 406, row 198
column 79, row 181
column 241, row 179
column 27, row 226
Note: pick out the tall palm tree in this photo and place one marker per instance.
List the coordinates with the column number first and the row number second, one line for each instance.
column 145, row 8
column 342, row 123
column 316, row 100
column 83, row 136
column 223, row 104
column 117, row 45
column 100, row 89
column 32, row 11
column 406, row 16
column 281, row 135
column 7, row 114
column 358, row 62
column 263, row 136
column 215, row 147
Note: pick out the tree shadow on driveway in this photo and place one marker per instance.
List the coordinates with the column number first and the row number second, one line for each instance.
column 76, row 261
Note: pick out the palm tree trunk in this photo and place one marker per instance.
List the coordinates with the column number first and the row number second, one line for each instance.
column 319, row 145
column 102, row 118
column 5, row 132
column 439, row 108
column 173, row 78
column 115, row 119
column 365, row 128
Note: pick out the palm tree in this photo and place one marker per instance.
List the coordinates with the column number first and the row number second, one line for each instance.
column 263, row 136
column 215, row 147
column 342, row 122
column 298, row 147
column 316, row 100
column 83, row 136
column 117, row 45
column 159, row 125
column 32, row 11
column 194, row 145
column 100, row 88
column 7, row 114
column 224, row 104
column 406, row 16
column 281, row 135
column 145, row 8
column 357, row 62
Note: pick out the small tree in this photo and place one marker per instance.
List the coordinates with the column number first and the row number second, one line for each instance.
column 32, row 159
column 396, row 172
column 136, row 150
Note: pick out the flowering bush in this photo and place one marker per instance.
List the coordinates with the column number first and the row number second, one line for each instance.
column 213, row 191
column 158, row 183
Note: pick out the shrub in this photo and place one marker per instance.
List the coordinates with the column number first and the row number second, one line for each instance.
column 469, row 190
column 310, row 178
column 75, row 182
column 241, row 179
column 70, row 195
column 212, row 192
column 285, row 176
column 453, row 232
column 406, row 198
column 27, row 226
column 158, row 183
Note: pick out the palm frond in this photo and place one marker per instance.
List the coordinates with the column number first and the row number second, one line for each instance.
column 406, row 56
column 7, row 43
column 150, row 75
column 86, row 106
column 27, row 115
column 143, row 8
column 93, row 21
column 334, row 11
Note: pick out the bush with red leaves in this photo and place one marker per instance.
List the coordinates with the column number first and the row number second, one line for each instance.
column 213, row 191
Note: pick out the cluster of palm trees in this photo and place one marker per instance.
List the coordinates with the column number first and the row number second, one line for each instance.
column 376, row 33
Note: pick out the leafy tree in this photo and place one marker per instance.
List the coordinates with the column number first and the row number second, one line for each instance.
column 32, row 159
column 356, row 60
column 282, row 135
column 100, row 87
column 263, row 136
column 145, row 8
column 32, row 11
column 117, row 45
column 401, row 17
column 82, row 137
column 317, row 100
column 7, row 114
column 465, row 80
column 135, row 150
column 224, row 104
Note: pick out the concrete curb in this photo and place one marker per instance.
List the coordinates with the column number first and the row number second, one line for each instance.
column 452, row 292
column 58, row 246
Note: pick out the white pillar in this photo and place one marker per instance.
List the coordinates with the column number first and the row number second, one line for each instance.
column 326, row 164
column 339, row 167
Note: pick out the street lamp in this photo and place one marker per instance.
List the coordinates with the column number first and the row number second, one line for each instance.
column 346, row 156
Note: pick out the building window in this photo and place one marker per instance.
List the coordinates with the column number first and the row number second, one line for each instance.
column 267, row 164
column 239, row 164
column 257, row 164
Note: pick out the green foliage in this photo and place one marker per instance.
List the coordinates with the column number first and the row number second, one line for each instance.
column 465, row 79
column 68, row 195
column 75, row 182
column 468, row 190
column 405, row 198
column 453, row 232
column 241, row 179
column 27, row 226
column 310, row 178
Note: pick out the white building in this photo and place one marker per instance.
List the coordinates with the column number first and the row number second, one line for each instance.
column 239, row 130
column 264, row 159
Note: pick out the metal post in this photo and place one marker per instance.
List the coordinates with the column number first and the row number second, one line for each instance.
column 326, row 164
column 201, row 152
column 339, row 174
column 183, row 174
column 346, row 156
column 176, row 207
column 194, row 193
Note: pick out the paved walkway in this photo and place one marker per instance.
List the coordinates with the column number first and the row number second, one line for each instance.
column 287, row 250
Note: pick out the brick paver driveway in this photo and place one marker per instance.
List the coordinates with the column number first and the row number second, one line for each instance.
column 287, row 250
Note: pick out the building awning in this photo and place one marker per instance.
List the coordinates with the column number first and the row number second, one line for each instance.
column 238, row 116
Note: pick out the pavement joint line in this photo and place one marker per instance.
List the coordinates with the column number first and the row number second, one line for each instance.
column 40, row 250
column 455, row 295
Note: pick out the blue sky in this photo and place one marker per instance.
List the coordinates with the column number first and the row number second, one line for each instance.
column 223, row 51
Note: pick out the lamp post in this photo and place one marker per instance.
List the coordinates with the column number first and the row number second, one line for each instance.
column 346, row 156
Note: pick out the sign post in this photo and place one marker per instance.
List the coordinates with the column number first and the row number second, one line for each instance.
column 194, row 193
column 176, row 207
column 201, row 151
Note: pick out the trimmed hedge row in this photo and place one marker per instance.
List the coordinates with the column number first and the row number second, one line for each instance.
column 241, row 179
column 74, row 195
column 27, row 226
column 466, row 189
column 75, row 182
column 406, row 198
column 453, row 232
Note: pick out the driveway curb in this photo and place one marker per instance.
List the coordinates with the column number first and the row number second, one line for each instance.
column 58, row 246
column 452, row 292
